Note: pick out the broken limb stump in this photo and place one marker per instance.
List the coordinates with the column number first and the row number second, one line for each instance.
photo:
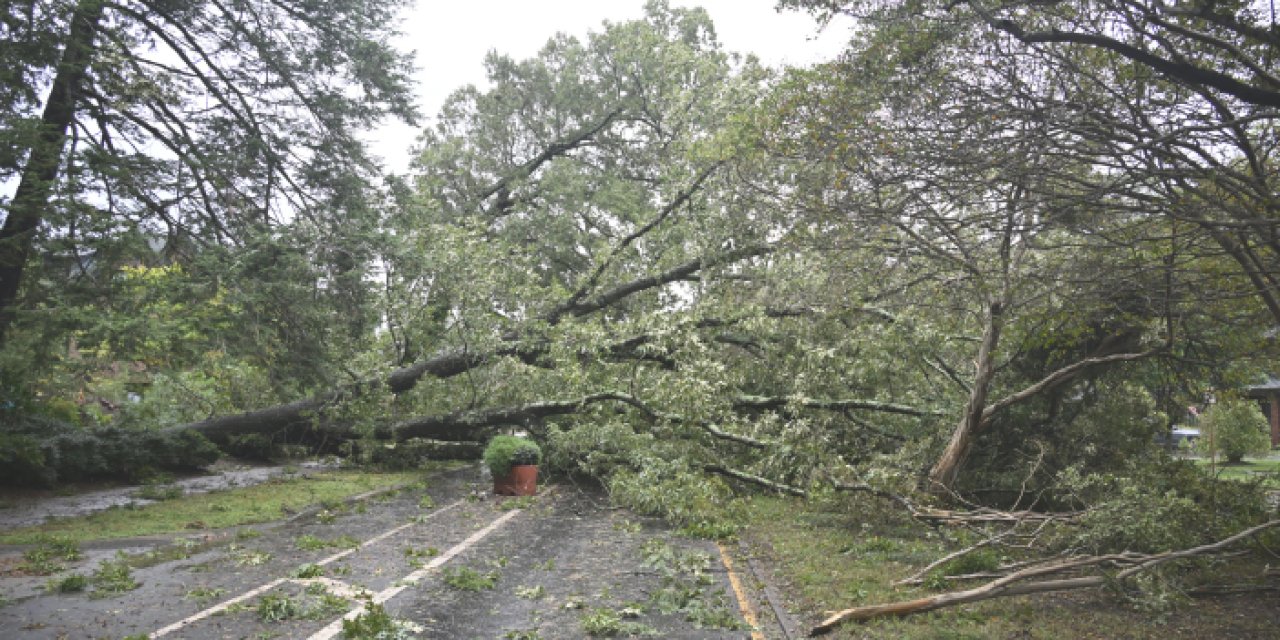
column 1013, row 584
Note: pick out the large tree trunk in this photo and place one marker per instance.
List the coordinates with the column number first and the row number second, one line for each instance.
column 310, row 412
column 944, row 473
column 27, row 210
column 300, row 421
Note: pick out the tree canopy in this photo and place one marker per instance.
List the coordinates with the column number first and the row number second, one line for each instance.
column 153, row 131
column 991, row 251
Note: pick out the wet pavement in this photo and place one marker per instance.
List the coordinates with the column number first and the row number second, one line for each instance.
column 36, row 507
column 445, row 561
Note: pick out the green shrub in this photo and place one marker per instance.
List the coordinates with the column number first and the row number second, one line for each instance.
column 1157, row 506
column 1233, row 428
column 23, row 459
column 977, row 561
column 505, row 452
column 44, row 451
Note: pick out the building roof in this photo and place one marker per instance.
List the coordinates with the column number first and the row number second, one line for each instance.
column 1272, row 385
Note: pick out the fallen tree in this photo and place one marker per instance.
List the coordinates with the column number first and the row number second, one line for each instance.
column 1056, row 574
column 311, row 412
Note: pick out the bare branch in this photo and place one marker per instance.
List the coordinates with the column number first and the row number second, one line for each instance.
column 756, row 480
column 1063, row 375
column 776, row 402
column 1177, row 70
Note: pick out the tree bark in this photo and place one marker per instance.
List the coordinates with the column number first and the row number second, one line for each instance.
column 27, row 210
column 978, row 412
column 311, row 411
column 944, row 473
column 303, row 417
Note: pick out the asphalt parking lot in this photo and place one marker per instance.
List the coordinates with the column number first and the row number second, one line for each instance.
column 445, row 561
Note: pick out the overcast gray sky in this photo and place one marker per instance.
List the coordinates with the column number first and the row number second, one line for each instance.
column 451, row 39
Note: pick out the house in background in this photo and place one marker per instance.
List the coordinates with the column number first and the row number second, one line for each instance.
column 1268, row 396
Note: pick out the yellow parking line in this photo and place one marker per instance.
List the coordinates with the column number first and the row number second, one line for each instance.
column 748, row 613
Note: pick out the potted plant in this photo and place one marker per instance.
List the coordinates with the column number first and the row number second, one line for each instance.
column 514, row 464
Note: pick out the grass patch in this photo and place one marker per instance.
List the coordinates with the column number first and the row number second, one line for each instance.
column 307, row 542
column 468, row 579
column 376, row 624
column 247, row 557
column 49, row 554
column 607, row 623
column 309, row 571
column 831, row 557
column 205, row 594
column 417, row 557
column 112, row 578
column 522, row 502
column 246, row 505
column 275, row 607
column 313, row 603
column 1267, row 471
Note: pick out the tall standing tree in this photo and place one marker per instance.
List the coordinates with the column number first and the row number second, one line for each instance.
column 1185, row 102
column 209, row 123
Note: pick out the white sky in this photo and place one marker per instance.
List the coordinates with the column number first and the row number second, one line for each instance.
column 452, row 37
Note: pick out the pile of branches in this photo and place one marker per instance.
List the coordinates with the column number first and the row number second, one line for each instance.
column 1068, row 572
column 1033, row 535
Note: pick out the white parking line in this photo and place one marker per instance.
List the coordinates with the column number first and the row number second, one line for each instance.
column 335, row 627
column 221, row 606
column 224, row 605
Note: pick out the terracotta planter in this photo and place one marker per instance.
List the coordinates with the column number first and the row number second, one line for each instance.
column 522, row 480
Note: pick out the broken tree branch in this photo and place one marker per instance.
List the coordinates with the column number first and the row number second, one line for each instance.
column 756, row 480
column 1063, row 375
column 777, row 402
column 674, row 274
column 1014, row 583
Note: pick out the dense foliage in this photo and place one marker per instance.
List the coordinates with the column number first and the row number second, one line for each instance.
column 216, row 142
column 962, row 261
column 44, row 452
